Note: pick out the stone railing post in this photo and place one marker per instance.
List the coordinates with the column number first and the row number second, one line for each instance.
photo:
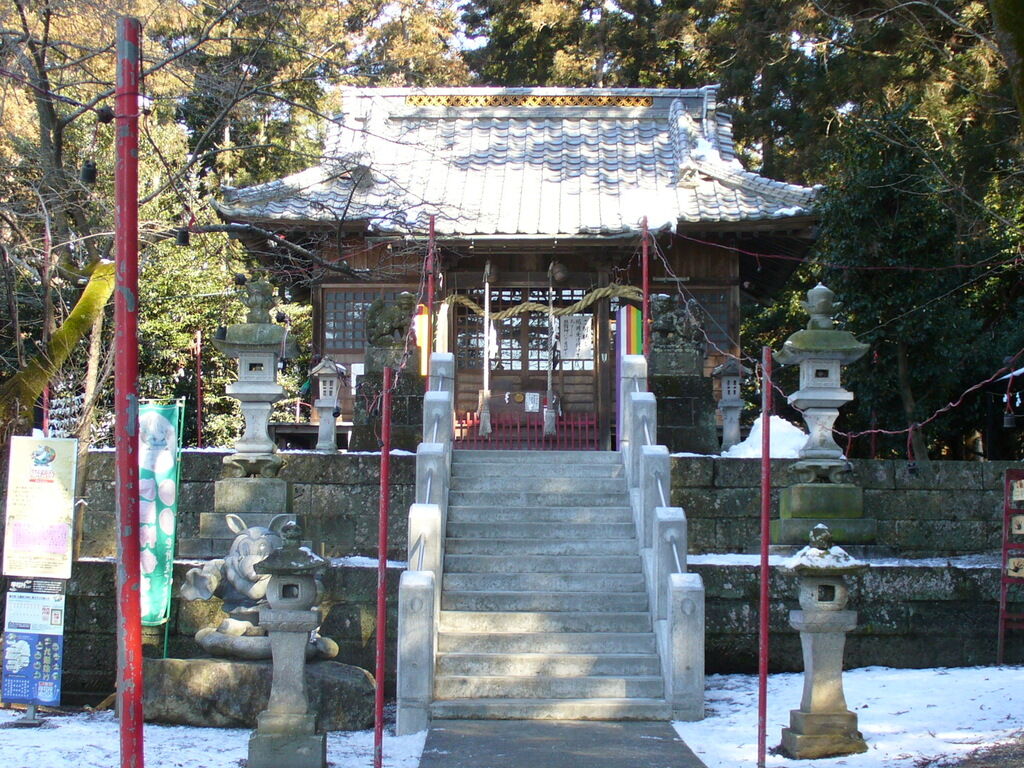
column 686, row 646
column 425, row 521
column 442, row 372
column 415, row 685
column 669, row 524
column 655, row 489
column 432, row 471
column 643, row 409
column 632, row 378
column 438, row 418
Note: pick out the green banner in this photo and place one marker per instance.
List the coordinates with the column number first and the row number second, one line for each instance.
column 159, row 436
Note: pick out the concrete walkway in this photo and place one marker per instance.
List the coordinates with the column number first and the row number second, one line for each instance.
column 554, row 744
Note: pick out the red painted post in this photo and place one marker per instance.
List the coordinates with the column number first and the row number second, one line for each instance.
column 382, row 567
column 126, row 390
column 766, row 505
column 431, row 265
column 199, row 389
column 646, row 265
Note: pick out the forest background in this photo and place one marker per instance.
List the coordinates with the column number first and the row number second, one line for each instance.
column 908, row 113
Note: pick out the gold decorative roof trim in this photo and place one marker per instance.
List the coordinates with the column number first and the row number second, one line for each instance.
column 525, row 100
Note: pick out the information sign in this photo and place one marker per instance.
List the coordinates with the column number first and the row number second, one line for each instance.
column 33, row 642
column 40, row 507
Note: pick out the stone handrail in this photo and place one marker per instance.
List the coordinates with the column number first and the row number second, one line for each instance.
column 419, row 593
column 676, row 597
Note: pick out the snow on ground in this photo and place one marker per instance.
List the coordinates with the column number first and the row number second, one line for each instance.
column 909, row 717
column 786, row 441
column 91, row 741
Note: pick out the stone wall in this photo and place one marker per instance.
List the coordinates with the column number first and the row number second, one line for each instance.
column 944, row 508
column 908, row 616
column 337, row 497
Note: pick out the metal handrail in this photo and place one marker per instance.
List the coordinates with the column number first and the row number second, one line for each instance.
column 420, row 545
column 647, row 431
column 437, row 424
column 430, row 481
column 661, row 488
column 675, row 553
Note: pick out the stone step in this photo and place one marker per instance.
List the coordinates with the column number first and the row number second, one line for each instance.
column 583, row 532
column 541, row 642
column 545, row 546
column 549, row 664
column 464, row 687
column 541, row 564
column 536, row 499
column 551, row 709
column 489, row 600
column 488, row 469
column 525, row 482
column 463, row 456
column 500, row 514
column 543, row 582
column 519, row 622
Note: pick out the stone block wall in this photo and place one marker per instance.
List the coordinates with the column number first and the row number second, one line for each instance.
column 946, row 508
column 908, row 616
column 337, row 497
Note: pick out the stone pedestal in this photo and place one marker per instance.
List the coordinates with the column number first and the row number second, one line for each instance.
column 686, row 412
column 327, row 431
column 840, row 506
column 823, row 726
column 406, row 411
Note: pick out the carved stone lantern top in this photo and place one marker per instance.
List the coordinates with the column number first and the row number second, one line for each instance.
column 822, row 558
column 291, row 559
column 820, row 340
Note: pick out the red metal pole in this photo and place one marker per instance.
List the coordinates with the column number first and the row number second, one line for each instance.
column 126, row 390
column 766, row 506
column 646, row 264
column 431, row 259
column 382, row 567
column 199, row 389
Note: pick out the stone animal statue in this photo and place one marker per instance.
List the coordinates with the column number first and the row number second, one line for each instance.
column 388, row 324
column 234, row 580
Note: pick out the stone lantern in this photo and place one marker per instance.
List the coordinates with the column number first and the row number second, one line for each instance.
column 823, row 726
column 730, row 376
column 286, row 733
column 824, row 489
column 257, row 345
column 329, row 375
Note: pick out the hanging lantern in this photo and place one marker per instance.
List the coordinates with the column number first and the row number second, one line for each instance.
column 88, row 172
column 1009, row 420
column 182, row 236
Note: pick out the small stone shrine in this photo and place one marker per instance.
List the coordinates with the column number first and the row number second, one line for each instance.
column 823, row 726
column 389, row 343
column 685, row 396
column 824, row 490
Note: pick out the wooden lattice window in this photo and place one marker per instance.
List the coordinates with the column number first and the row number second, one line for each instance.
column 344, row 312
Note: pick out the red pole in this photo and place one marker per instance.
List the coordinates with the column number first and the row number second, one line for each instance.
column 199, row 389
column 126, row 390
column 382, row 568
column 430, row 297
column 766, row 505
column 646, row 263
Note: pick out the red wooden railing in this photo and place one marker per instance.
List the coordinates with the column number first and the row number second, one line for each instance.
column 525, row 432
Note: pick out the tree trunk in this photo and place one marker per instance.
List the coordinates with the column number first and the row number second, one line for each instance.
column 1008, row 18
column 83, row 433
column 917, row 441
column 19, row 393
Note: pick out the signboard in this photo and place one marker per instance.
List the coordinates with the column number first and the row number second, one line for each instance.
column 1017, row 492
column 40, row 507
column 576, row 337
column 33, row 642
column 159, row 431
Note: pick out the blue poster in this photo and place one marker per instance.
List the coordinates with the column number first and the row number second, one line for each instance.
column 33, row 642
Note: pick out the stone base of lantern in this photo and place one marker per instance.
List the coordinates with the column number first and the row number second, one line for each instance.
column 287, row 740
column 840, row 506
column 820, row 735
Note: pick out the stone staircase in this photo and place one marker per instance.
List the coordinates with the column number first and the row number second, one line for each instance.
column 544, row 610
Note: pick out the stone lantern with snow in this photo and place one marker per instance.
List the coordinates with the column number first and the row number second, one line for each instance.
column 824, row 490
column 329, row 376
column 730, row 376
column 823, row 726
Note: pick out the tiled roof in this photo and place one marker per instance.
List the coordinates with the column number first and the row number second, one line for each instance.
column 524, row 161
